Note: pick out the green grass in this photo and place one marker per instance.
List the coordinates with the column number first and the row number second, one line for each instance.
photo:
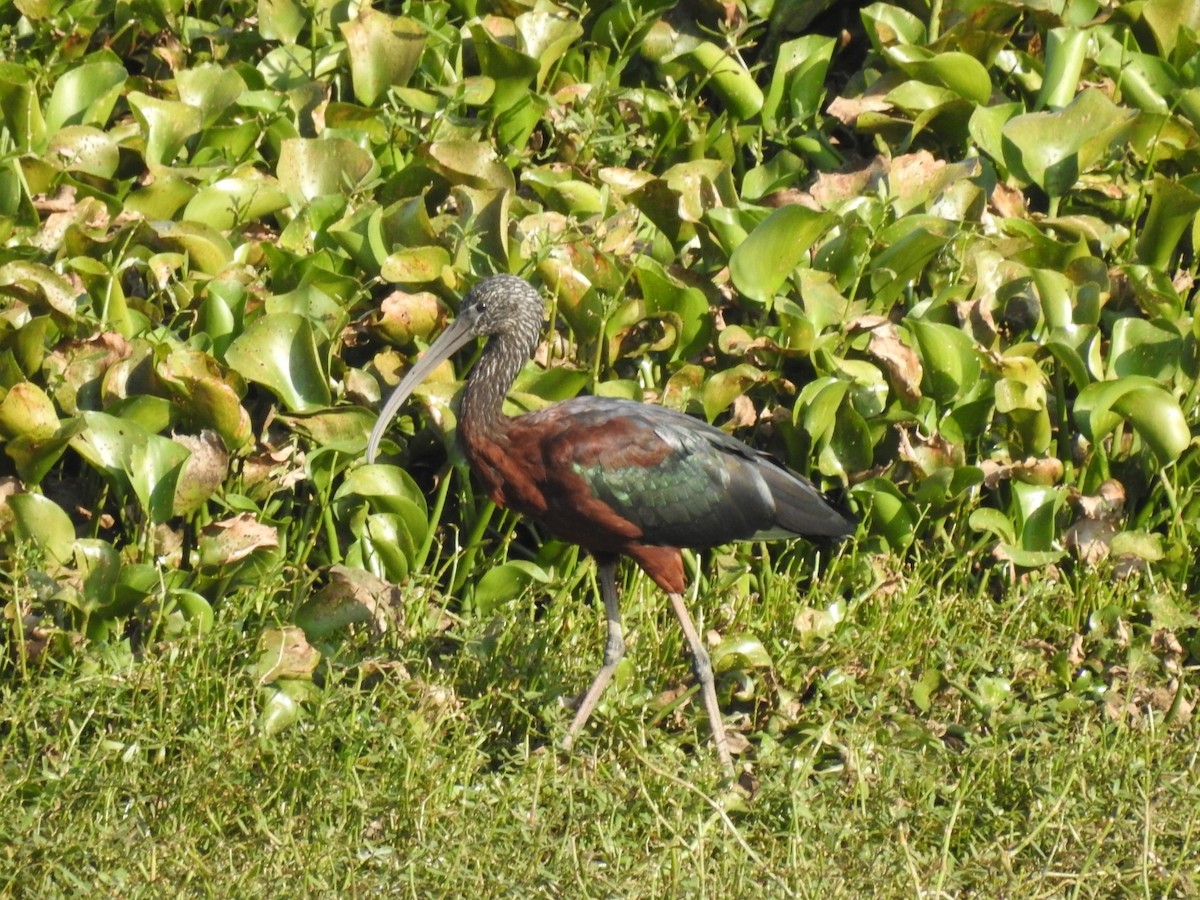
column 424, row 763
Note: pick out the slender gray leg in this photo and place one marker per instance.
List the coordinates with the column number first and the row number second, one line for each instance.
column 614, row 649
column 703, row 669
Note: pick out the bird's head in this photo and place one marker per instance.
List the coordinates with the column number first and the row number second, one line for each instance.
column 502, row 306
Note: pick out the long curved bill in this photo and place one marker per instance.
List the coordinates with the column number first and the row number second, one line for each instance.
column 453, row 338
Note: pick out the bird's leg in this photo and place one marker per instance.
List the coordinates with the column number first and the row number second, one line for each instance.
column 704, row 674
column 614, row 649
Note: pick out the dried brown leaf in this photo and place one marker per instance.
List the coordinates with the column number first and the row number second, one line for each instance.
column 899, row 360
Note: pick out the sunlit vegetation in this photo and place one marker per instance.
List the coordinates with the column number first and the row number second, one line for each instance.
column 938, row 257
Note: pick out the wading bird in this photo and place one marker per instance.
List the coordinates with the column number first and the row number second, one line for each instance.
column 617, row 477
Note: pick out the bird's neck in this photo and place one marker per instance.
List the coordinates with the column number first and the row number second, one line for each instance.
column 482, row 404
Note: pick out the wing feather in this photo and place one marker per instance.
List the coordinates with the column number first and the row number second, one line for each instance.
column 680, row 481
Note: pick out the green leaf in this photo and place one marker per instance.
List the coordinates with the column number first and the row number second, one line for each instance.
column 949, row 361
column 727, row 77
column 133, row 459
column 210, row 88
column 725, row 386
column 742, row 651
column 20, row 111
column 797, row 81
column 99, row 568
column 312, row 168
column 85, row 150
column 165, row 124
column 1173, row 207
column 415, row 265
column 888, row 25
column 1145, row 348
column 386, row 488
column 235, row 200
column 42, row 521
column 197, row 385
column 27, row 410
column 513, row 71
column 1153, row 412
column 959, row 72
column 279, row 351
column 384, row 52
column 763, row 261
column 911, row 243
column 505, row 582
column 547, row 35
column 86, row 94
column 281, row 20
column 389, row 545
column 1052, row 149
column 892, row 516
column 206, row 249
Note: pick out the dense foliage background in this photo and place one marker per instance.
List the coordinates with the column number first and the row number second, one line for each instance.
column 939, row 257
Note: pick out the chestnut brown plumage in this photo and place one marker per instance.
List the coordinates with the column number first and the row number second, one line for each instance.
column 617, row 477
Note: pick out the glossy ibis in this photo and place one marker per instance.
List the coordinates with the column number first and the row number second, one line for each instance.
column 617, row 477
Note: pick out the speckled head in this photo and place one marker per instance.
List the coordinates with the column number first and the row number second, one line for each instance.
column 503, row 307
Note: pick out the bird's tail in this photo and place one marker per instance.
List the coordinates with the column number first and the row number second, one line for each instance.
column 800, row 509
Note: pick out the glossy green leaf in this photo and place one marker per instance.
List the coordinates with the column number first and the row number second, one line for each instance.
column 892, row 516
column 415, row 266
column 99, row 568
column 742, row 651
column 206, row 249
column 1052, row 149
column 27, row 410
column 725, row 386
column 887, row 25
column 281, row 20
column 1145, row 348
column 764, row 260
column 20, row 109
column 85, row 150
column 797, row 80
column 384, row 52
column 472, row 163
column 384, row 487
column 1066, row 51
column 207, row 397
column 546, row 35
column 389, row 546
column 512, row 70
column 1173, row 208
column 196, row 610
column 39, row 519
column 233, row 201
column 134, row 460
column 950, row 363
column 279, row 351
column 727, row 77
column 312, row 168
column 1153, row 412
column 816, row 407
column 210, row 88
column 504, row 583
column 165, row 125
column 86, row 94
column 958, row 72
column 911, row 244
column 361, row 235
